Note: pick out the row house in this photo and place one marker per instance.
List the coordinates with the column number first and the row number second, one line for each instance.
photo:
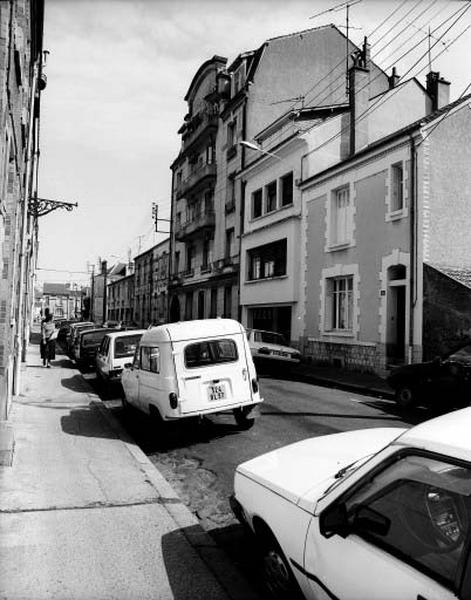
column 228, row 105
column 99, row 289
column 62, row 301
column 21, row 81
column 121, row 299
column 150, row 285
column 356, row 225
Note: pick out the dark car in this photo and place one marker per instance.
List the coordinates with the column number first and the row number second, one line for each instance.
column 72, row 333
column 86, row 345
column 443, row 381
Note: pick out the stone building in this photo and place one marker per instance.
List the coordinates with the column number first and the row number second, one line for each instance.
column 150, row 285
column 21, row 81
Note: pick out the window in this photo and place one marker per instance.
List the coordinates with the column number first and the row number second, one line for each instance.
column 125, row 346
column 201, row 304
column 228, row 302
column 231, row 133
column 257, row 197
column 270, row 192
column 190, row 251
column 267, row 261
column 150, row 359
column 179, row 178
column 229, row 242
column 211, row 352
column 177, row 261
column 189, row 306
column 206, row 252
column 339, row 314
column 214, row 303
column 287, row 189
column 424, row 504
column 397, row 187
column 341, row 216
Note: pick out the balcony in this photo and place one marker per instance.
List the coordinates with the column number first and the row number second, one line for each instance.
column 197, row 222
column 229, row 264
column 200, row 175
column 199, row 124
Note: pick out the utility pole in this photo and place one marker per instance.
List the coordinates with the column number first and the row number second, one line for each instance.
column 92, row 296
column 104, row 272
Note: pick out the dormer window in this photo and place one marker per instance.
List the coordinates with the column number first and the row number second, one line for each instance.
column 238, row 78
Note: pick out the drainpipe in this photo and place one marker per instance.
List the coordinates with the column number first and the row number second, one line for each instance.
column 413, row 247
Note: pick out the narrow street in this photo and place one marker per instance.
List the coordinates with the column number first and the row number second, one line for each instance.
column 199, row 459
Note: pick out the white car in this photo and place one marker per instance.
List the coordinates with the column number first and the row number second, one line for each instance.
column 374, row 514
column 116, row 350
column 270, row 346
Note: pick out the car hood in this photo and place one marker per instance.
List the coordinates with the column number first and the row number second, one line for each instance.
column 295, row 470
column 278, row 347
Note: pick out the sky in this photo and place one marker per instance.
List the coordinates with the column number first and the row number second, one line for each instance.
column 118, row 71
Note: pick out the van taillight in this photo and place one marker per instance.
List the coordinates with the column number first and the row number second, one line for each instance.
column 254, row 386
column 173, row 400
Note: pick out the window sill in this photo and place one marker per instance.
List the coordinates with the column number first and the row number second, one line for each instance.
column 340, row 246
column 261, row 280
column 397, row 215
column 338, row 333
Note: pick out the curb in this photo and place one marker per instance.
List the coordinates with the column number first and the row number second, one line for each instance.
column 218, row 563
column 349, row 387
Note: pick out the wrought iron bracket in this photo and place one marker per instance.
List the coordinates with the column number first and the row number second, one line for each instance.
column 38, row 207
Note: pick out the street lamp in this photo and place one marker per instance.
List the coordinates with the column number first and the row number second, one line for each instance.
column 256, row 147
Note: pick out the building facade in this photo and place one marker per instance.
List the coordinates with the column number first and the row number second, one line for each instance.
column 150, row 285
column 21, row 80
column 121, row 300
column 62, row 301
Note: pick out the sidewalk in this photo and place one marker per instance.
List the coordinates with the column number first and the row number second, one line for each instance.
column 352, row 381
column 85, row 515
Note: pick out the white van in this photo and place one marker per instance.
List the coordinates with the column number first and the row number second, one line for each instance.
column 117, row 348
column 193, row 368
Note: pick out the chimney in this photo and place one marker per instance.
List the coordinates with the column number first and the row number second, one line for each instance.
column 393, row 79
column 438, row 89
column 359, row 91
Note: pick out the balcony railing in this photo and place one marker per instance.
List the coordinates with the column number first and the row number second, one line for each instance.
column 195, row 224
column 199, row 174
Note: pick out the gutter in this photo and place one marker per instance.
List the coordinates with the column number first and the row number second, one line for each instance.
column 413, row 247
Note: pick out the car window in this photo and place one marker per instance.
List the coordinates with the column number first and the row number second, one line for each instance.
column 126, row 345
column 92, row 339
column 427, row 507
column 150, row 359
column 462, row 355
column 270, row 337
column 210, row 352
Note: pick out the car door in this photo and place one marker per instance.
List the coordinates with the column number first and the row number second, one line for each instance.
column 407, row 534
column 102, row 357
column 151, row 384
column 130, row 380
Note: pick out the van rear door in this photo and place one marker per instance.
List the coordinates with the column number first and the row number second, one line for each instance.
column 213, row 373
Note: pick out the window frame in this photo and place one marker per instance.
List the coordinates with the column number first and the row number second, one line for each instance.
column 339, row 238
column 257, row 201
column 213, row 360
column 269, row 198
column 150, row 348
column 334, row 301
column 283, row 180
column 258, row 259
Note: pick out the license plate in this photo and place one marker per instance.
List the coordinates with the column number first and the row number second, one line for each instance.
column 216, row 392
column 280, row 353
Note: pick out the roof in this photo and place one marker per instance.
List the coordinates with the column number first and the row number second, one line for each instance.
column 124, row 332
column 57, row 289
column 447, row 434
column 216, row 61
column 407, row 129
column 461, row 274
column 192, row 330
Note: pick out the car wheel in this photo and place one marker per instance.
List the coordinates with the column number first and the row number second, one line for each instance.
column 277, row 573
column 242, row 419
column 405, row 396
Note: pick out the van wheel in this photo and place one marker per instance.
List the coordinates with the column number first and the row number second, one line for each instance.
column 242, row 419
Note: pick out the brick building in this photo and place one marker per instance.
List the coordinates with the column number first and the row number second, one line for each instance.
column 21, row 80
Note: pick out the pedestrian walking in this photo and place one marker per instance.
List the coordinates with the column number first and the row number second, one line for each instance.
column 48, row 339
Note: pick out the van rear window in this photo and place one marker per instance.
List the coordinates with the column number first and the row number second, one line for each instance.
column 210, row 352
column 126, row 345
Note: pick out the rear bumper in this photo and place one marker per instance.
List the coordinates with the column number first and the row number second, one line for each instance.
column 252, row 409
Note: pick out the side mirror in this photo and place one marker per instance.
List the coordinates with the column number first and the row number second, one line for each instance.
column 367, row 519
column 334, row 520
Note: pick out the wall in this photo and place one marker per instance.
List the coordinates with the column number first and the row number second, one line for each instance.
column 447, row 313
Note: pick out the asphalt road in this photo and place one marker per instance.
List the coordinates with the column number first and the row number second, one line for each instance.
column 199, row 459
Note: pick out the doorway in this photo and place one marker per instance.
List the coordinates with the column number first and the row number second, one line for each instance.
column 396, row 314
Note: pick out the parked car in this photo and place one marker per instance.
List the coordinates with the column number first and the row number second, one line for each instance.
column 86, row 345
column 73, row 331
column 375, row 513
column 443, row 381
column 193, row 368
column 116, row 349
column 270, row 347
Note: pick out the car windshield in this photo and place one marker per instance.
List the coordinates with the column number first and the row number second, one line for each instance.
column 269, row 337
column 462, row 355
column 126, row 346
